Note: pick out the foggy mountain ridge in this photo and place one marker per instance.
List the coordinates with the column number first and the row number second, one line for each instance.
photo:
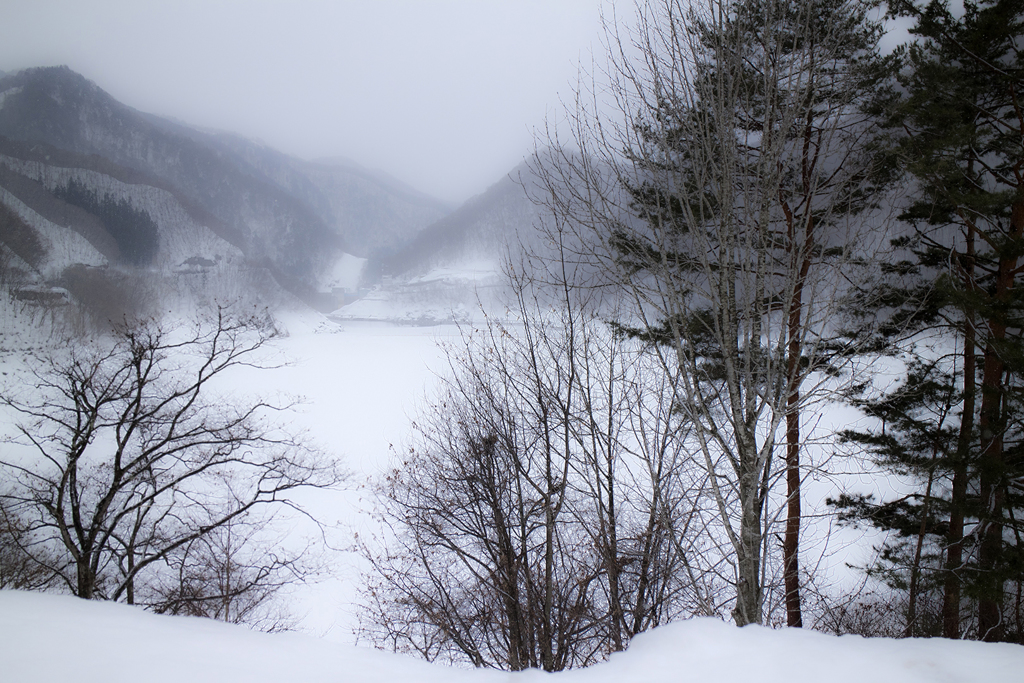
column 292, row 218
column 374, row 213
column 253, row 219
column 480, row 229
column 448, row 271
column 384, row 178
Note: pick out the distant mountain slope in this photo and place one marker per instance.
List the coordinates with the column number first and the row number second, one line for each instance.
column 85, row 231
column 60, row 108
column 480, row 229
column 295, row 219
column 373, row 213
column 453, row 268
column 381, row 215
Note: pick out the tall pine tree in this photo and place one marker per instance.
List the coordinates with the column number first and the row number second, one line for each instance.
column 964, row 149
column 735, row 176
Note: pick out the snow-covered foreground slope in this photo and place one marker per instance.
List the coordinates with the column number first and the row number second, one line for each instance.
column 47, row 638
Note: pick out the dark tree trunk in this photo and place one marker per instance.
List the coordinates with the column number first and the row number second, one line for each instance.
column 990, row 468
column 958, row 495
column 791, row 543
column 954, row 551
column 915, row 570
column 991, row 463
column 86, row 582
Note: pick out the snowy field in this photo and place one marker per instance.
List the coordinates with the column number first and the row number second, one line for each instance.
column 361, row 385
column 48, row 638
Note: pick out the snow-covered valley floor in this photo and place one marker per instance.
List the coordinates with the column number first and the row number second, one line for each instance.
column 357, row 388
column 361, row 385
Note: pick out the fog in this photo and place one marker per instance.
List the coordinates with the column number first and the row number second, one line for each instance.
column 443, row 94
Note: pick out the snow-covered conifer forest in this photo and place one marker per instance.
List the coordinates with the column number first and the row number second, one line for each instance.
column 736, row 345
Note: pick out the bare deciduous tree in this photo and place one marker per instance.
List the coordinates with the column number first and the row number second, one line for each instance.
column 719, row 197
column 136, row 456
column 537, row 521
column 236, row 573
column 19, row 569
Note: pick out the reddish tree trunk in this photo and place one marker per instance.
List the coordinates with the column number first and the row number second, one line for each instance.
column 791, row 543
column 991, row 463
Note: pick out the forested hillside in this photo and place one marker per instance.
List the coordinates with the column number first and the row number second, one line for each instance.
column 135, row 191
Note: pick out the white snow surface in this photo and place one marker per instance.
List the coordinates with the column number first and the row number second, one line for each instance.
column 49, row 638
column 362, row 384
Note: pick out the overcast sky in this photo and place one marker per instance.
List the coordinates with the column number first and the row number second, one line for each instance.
column 442, row 94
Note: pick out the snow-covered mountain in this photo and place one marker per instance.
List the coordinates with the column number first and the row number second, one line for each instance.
column 89, row 183
column 480, row 229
